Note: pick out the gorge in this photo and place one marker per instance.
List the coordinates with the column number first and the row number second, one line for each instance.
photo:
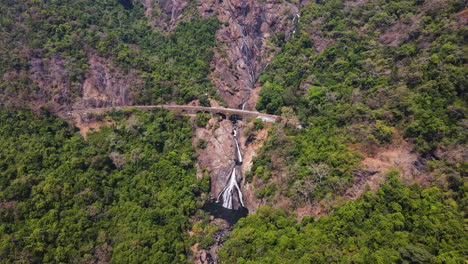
column 233, row 131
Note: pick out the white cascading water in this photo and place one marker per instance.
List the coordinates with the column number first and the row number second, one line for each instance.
column 230, row 190
column 296, row 20
column 239, row 155
column 243, row 106
column 232, row 187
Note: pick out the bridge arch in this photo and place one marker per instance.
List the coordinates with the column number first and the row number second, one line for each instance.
column 203, row 112
column 235, row 117
column 223, row 116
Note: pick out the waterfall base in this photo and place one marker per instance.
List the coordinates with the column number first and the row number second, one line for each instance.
column 218, row 211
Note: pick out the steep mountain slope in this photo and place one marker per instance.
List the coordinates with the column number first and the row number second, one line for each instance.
column 378, row 86
column 152, row 43
column 396, row 225
column 248, row 39
column 56, row 53
column 366, row 77
column 124, row 195
column 250, row 33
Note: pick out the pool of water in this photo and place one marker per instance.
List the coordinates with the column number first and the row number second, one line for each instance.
column 218, row 211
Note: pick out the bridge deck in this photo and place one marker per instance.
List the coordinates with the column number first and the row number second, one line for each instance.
column 191, row 110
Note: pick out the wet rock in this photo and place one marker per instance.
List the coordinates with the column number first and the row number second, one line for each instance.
column 248, row 24
column 218, row 155
column 247, row 27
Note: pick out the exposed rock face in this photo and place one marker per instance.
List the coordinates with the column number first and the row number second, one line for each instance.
column 245, row 50
column 61, row 86
column 217, row 157
column 244, row 53
column 49, row 79
column 164, row 14
column 250, row 147
column 52, row 78
column 106, row 85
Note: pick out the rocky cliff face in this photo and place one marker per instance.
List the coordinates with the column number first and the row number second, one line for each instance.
column 164, row 14
column 218, row 155
column 106, row 85
column 251, row 142
column 246, row 47
column 49, row 81
column 60, row 86
column 51, row 77
column 249, row 36
column 247, row 40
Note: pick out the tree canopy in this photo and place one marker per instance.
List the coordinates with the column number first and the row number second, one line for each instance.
column 173, row 66
column 124, row 195
column 397, row 224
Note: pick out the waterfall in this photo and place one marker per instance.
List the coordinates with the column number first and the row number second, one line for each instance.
column 243, row 105
column 295, row 21
column 296, row 16
column 231, row 190
column 239, row 155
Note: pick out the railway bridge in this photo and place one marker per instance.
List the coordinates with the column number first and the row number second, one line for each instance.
column 193, row 110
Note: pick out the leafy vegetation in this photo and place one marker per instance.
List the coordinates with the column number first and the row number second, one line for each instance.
column 396, row 225
column 310, row 163
column 375, row 64
column 360, row 73
column 124, row 195
column 353, row 72
column 173, row 66
column 202, row 119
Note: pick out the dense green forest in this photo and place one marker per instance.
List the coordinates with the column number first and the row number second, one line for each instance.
column 315, row 163
column 124, row 195
column 173, row 66
column 360, row 76
column 398, row 224
column 374, row 66
column 362, row 73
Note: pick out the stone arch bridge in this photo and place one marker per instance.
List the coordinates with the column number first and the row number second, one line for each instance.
column 193, row 110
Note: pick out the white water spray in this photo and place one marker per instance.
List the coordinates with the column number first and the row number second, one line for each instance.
column 295, row 21
column 232, row 189
column 243, row 105
column 296, row 17
column 239, row 155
